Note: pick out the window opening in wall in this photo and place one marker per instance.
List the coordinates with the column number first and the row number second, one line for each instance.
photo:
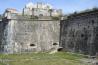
column 60, row 49
column 32, row 44
column 82, row 35
column 55, row 44
column 84, row 28
column 96, row 34
column 40, row 14
column 88, row 26
column 73, row 35
column 93, row 21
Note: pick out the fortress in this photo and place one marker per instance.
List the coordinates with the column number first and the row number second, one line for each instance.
column 34, row 29
column 40, row 28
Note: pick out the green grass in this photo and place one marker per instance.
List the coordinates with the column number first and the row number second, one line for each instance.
column 2, row 63
column 59, row 58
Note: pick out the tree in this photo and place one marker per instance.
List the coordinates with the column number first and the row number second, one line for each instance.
column 50, row 11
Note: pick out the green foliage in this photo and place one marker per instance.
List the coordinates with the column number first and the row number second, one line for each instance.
column 56, row 18
column 34, row 17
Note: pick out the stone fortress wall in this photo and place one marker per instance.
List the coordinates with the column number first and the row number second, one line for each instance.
column 28, row 35
column 20, row 32
column 79, row 32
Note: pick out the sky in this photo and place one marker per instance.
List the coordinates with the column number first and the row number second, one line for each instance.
column 68, row 6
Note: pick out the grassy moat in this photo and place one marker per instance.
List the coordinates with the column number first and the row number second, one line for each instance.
column 59, row 58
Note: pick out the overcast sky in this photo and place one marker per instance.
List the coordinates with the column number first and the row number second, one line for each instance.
column 68, row 6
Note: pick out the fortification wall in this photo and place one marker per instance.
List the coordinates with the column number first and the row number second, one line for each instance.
column 79, row 33
column 28, row 35
column 1, row 36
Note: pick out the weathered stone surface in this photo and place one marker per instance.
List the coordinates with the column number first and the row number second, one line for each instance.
column 28, row 35
column 79, row 33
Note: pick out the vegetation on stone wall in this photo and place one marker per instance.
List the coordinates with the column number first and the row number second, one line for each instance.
column 56, row 18
column 34, row 17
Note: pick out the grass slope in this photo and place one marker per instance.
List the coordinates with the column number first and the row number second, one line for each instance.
column 59, row 58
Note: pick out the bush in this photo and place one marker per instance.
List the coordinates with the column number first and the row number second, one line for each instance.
column 34, row 17
column 56, row 18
